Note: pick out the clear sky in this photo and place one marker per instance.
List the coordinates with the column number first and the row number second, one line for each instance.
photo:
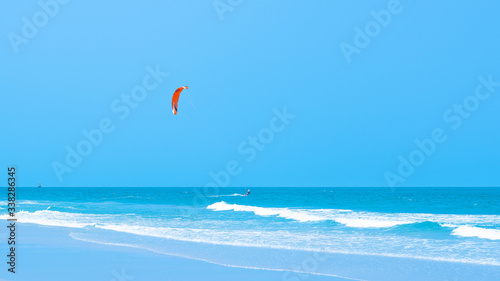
column 358, row 89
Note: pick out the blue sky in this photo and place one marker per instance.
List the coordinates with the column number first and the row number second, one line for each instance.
column 353, row 118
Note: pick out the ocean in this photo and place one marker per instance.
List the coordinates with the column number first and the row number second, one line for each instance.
column 306, row 231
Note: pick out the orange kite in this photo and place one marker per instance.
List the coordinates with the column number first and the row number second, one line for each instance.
column 175, row 99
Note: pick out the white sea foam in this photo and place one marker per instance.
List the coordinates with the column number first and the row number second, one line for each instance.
column 472, row 231
column 30, row 202
column 463, row 225
column 370, row 223
column 55, row 218
column 210, row 237
column 359, row 219
column 346, row 217
column 226, row 195
column 260, row 211
column 334, row 241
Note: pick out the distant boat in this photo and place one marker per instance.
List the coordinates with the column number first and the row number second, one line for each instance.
column 39, row 184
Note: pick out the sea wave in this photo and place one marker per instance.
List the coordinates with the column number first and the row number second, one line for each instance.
column 225, row 233
column 345, row 217
column 370, row 223
column 479, row 232
column 56, row 218
column 358, row 219
column 267, row 240
column 480, row 226
column 260, row 211
column 30, row 202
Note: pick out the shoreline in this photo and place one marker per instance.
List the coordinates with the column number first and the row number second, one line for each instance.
column 48, row 253
column 51, row 252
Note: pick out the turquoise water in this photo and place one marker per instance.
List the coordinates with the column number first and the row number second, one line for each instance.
column 456, row 225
